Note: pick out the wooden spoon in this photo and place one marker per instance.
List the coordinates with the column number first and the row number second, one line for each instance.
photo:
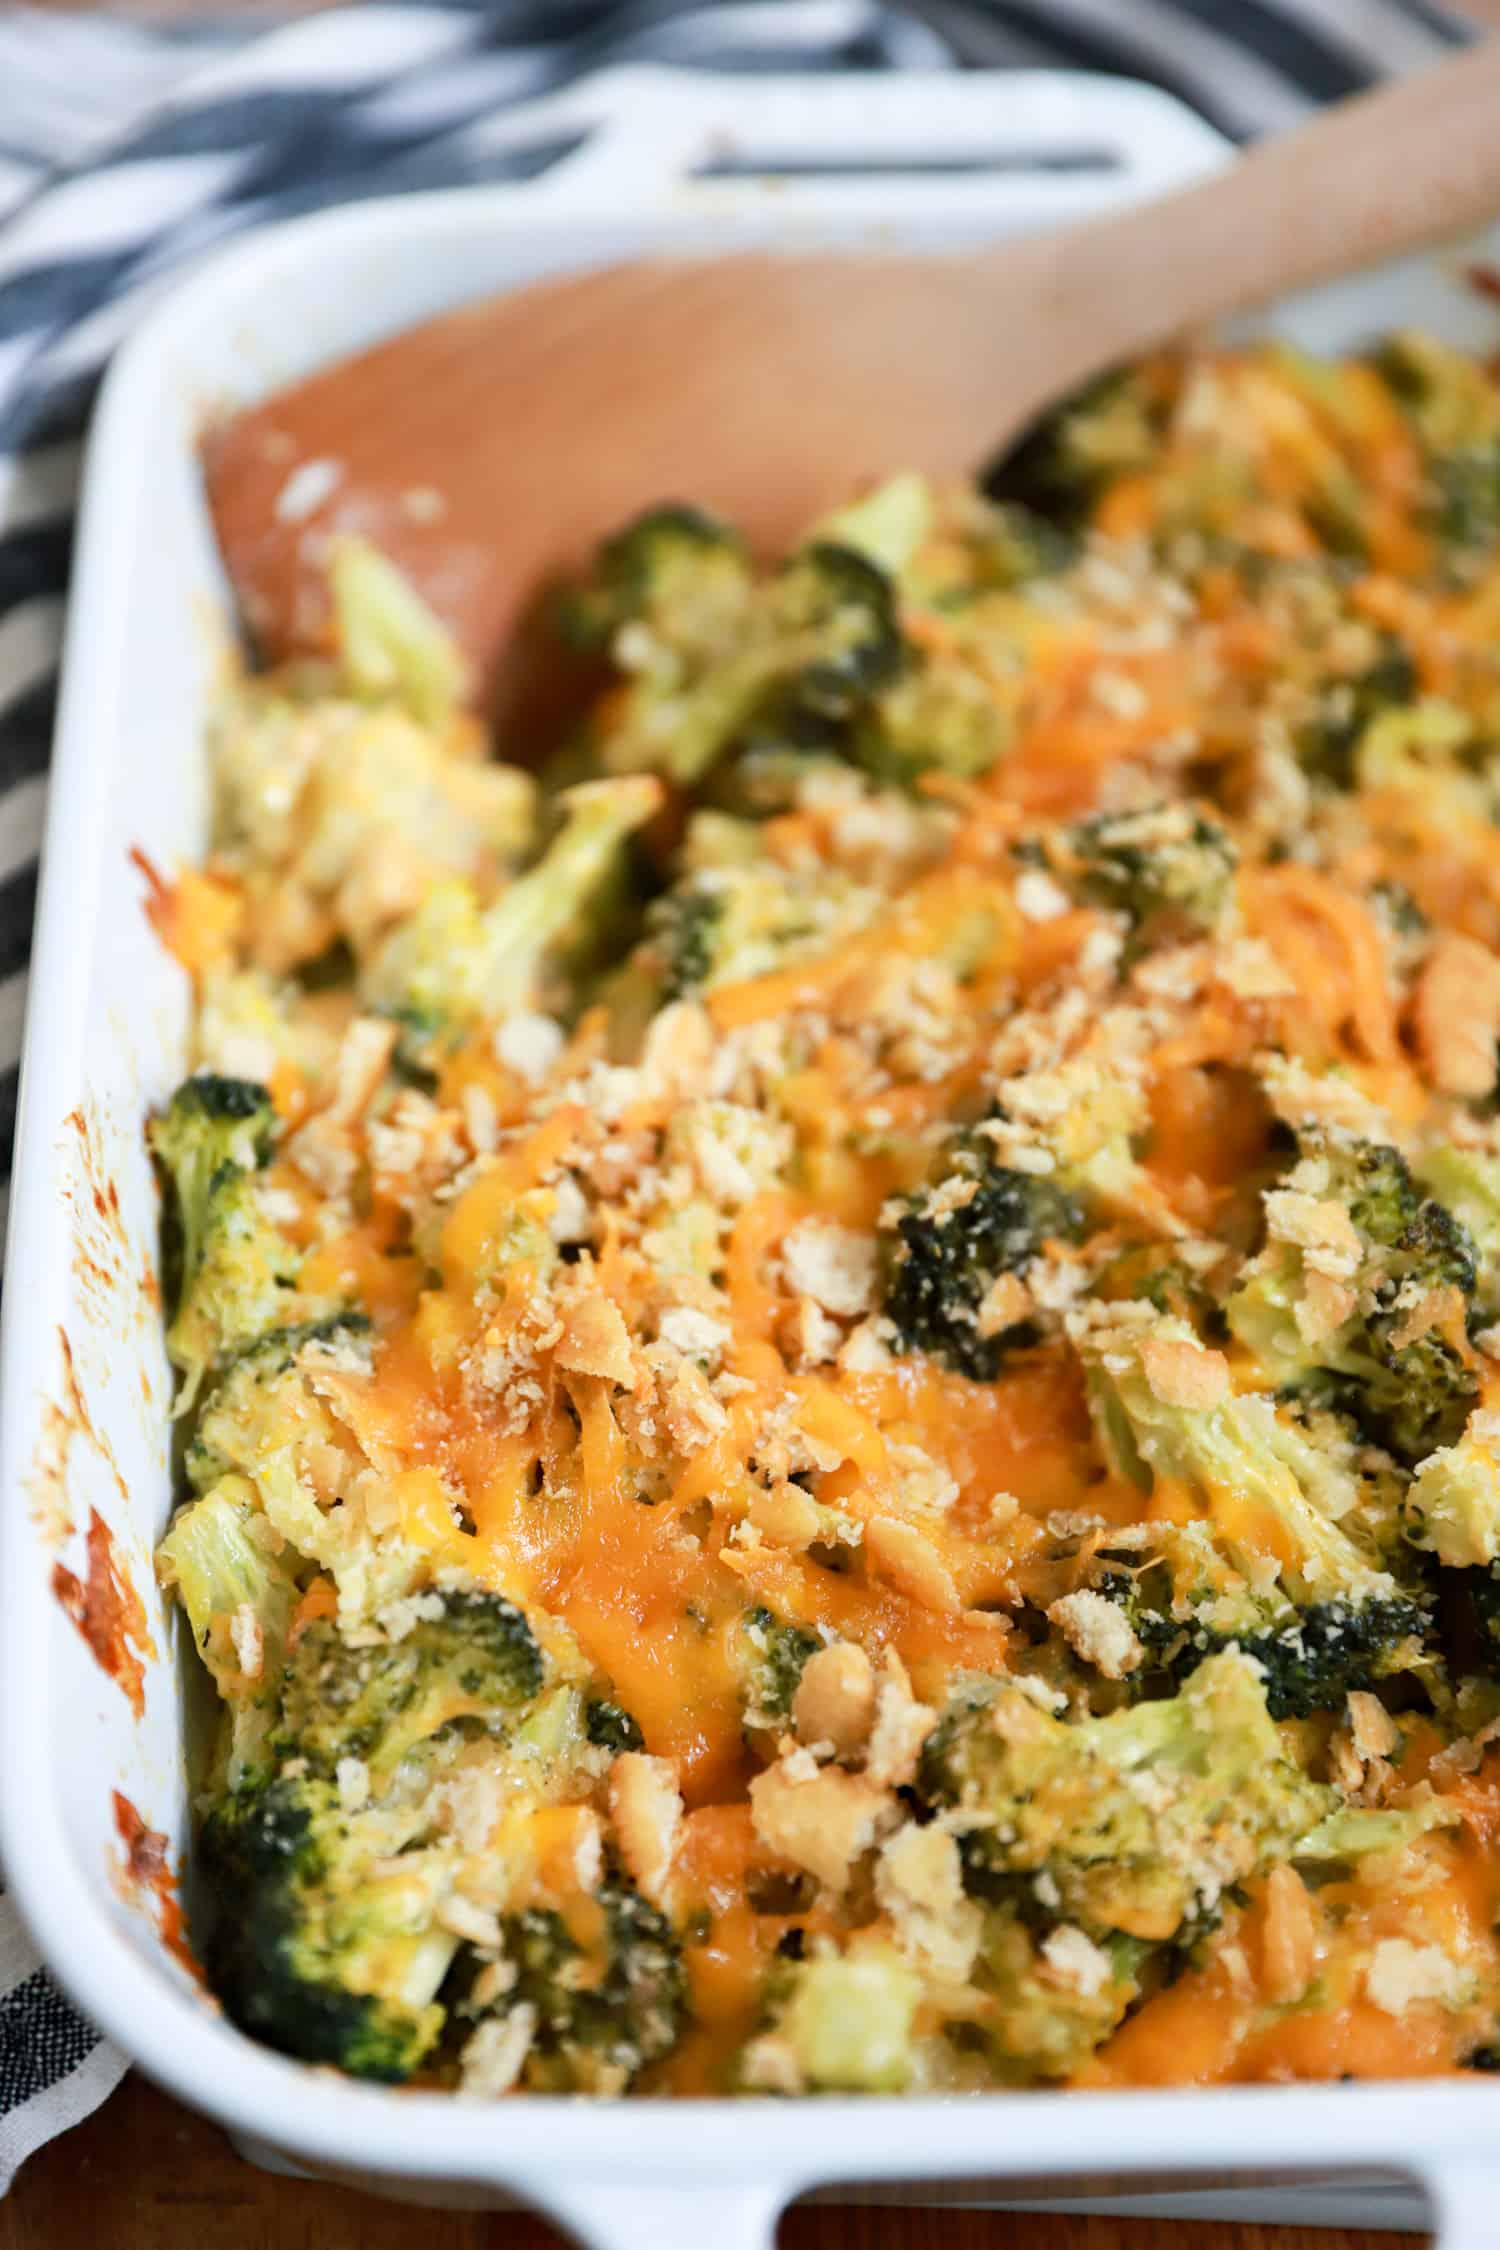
column 491, row 447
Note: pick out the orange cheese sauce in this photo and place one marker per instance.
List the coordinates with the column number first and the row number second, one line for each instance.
column 1229, row 2022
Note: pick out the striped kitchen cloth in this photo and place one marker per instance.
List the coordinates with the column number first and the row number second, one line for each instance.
column 124, row 151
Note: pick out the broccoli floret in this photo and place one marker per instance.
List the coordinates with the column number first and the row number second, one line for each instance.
column 1326, row 746
column 771, row 1654
column 1186, row 1604
column 1399, row 1358
column 688, row 929
column 1454, row 406
column 390, row 643
column 237, row 1423
column 887, row 526
column 1169, row 869
column 1003, row 1192
column 229, row 1271
column 1010, row 545
column 611, row 1728
column 678, row 572
column 812, row 645
column 455, row 963
column 1269, row 1492
column 939, row 715
column 607, row 2003
column 836, row 2023
column 470, row 1663
column 1138, row 1818
column 326, row 1873
column 832, row 615
column 1467, row 501
column 719, row 925
column 1466, row 1182
column 1037, row 2024
column 1152, row 1273
column 1449, row 393
column 220, row 1559
column 1429, row 750
column 270, row 1420
column 1481, row 1587
column 1062, row 462
column 948, row 1245
column 1452, row 1505
column 337, row 815
column 311, row 1950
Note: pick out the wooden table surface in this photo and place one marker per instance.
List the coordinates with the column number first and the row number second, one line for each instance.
column 145, row 2174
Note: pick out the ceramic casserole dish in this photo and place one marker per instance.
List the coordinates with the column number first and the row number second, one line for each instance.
column 95, row 1745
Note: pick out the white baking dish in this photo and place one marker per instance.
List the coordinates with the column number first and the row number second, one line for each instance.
column 930, row 162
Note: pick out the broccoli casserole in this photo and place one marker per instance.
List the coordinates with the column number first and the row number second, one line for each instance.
column 838, row 1352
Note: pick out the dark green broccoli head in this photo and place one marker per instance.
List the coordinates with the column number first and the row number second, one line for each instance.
column 832, row 615
column 209, row 1103
column 772, row 1654
column 228, row 1269
column 1062, row 462
column 1415, row 1384
column 308, row 1950
column 1418, row 1395
column 327, row 1873
column 1415, row 1389
column 1169, row 868
column 1399, row 1363
column 1327, row 744
column 611, row 1727
column 1334, row 1647
column 1014, row 544
column 1478, row 1593
column 609, row 1993
column 668, row 568
column 1310, row 1658
column 723, row 664
column 1454, row 407
column 950, row 1243
column 687, row 928
column 469, row 1662
column 1372, row 1180
column 212, row 1131
column 1467, row 1183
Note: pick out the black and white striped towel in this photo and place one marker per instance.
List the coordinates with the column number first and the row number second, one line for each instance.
column 123, row 151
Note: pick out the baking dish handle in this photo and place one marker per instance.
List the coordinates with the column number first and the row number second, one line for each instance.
column 603, row 2214
column 1466, row 2205
column 644, row 135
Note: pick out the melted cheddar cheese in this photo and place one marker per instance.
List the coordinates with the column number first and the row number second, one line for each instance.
column 860, row 1254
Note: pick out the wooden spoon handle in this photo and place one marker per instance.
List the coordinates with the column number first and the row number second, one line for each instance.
column 1385, row 173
